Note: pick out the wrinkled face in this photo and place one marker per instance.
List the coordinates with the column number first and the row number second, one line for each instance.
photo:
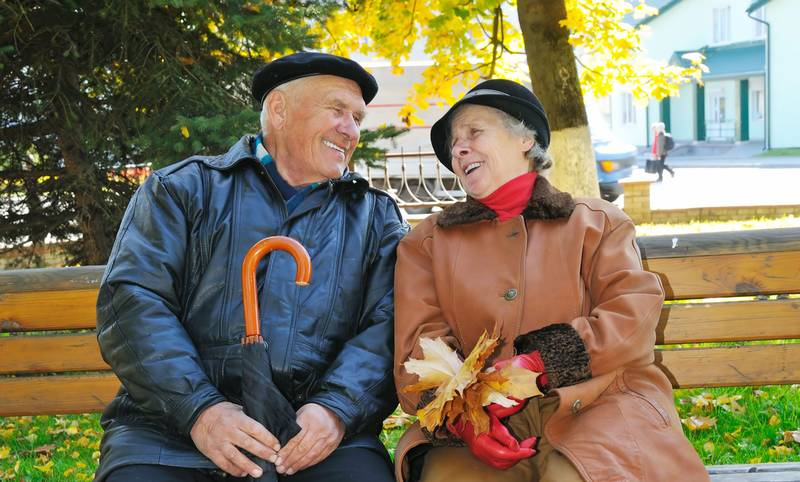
column 322, row 126
column 485, row 154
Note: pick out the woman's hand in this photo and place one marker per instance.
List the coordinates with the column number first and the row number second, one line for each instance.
column 497, row 447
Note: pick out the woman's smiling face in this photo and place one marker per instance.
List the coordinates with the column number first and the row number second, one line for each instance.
column 485, row 153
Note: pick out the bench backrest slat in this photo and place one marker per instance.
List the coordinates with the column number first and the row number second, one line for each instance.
column 751, row 365
column 46, row 279
column 56, row 353
column 57, row 394
column 728, row 275
column 48, row 310
column 730, row 321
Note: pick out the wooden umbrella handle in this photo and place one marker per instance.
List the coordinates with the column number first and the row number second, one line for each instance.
column 252, row 325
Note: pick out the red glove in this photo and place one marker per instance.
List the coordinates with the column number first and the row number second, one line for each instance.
column 497, row 447
column 530, row 361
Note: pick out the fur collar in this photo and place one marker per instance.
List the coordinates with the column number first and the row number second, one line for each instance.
column 546, row 202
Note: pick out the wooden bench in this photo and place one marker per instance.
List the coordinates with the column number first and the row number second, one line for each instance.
column 58, row 368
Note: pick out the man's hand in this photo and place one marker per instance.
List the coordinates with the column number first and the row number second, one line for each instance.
column 320, row 434
column 222, row 429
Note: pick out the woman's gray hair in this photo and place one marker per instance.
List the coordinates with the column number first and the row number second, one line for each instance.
column 538, row 157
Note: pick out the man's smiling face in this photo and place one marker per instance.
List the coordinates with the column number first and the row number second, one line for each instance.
column 323, row 126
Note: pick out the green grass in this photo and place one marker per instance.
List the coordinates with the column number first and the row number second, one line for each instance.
column 41, row 448
column 791, row 151
column 761, row 426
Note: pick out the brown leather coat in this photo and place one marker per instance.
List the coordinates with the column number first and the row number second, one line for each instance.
column 567, row 276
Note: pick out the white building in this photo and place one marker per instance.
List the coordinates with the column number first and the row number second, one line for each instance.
column 752, row 49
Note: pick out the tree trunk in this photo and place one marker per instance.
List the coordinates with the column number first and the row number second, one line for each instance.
column 554, row 77
column 88, row 191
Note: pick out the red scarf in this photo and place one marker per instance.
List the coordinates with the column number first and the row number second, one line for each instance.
column 510, row 199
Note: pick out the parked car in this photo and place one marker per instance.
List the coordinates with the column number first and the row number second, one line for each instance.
column 615, row 161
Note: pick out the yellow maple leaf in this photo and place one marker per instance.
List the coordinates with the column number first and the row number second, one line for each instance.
column 45, row 468
column 4, row 452
column 185, row 132
column 774, row 420
column 510, row 381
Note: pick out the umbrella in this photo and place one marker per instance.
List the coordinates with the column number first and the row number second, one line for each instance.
column 262, row 400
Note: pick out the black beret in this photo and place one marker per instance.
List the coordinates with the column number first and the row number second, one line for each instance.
column 508, row 96
column 305, row 64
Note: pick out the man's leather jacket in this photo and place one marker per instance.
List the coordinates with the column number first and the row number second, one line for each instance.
column 170, row 314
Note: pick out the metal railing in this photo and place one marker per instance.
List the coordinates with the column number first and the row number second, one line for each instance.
column 415, row 180
column 721, row 131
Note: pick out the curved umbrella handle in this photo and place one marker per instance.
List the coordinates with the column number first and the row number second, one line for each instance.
column 252, row 325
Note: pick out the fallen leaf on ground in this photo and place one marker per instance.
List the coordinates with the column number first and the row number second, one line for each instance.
column 791, row 436
column 781, row 450
column 699, row 423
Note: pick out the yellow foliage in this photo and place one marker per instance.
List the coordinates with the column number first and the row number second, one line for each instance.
column 469, row 41
column 463, row 388
column 4, row 452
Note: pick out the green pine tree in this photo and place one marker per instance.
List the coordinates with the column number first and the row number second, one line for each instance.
column 87, row 88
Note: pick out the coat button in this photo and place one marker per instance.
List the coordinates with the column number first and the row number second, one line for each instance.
column 510, row 294
column 576, row 406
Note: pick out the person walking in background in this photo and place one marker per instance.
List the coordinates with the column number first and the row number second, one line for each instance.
column 662, row 144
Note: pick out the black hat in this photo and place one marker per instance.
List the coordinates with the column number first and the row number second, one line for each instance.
column 305, row 64
column 510, row 97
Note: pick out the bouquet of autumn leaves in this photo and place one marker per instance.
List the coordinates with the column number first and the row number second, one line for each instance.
column 463, row 388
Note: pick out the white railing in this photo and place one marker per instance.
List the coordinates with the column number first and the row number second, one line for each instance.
column 415, row 180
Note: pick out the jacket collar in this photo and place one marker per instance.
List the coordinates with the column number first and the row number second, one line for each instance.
column 546, row 202
column 351, row 183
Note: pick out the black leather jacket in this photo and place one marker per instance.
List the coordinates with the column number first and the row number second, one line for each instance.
column 170, row 317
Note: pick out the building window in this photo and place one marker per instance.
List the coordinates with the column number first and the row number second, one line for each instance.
column 722, row 24
column 757, row 104
column 759, row 29
column 628, row 109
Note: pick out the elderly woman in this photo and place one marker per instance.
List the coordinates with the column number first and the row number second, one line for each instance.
column 563, row 279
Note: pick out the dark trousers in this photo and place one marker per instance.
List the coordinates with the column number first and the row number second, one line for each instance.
column 344, row 465
column 662, row 166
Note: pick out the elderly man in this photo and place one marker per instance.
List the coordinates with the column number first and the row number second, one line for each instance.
column 170, row 314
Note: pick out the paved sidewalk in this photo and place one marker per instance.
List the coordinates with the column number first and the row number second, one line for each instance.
column 739, row 186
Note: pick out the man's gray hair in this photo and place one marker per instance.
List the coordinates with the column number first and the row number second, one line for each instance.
column 286, row 88
column 538, row 157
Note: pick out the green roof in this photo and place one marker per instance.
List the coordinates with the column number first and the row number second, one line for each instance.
column 732, row 60
column 756, row 5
